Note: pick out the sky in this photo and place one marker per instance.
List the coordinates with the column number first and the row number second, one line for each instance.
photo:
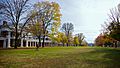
column 87, row 16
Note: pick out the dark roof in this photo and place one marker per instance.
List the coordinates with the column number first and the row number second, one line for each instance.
column 5, row 25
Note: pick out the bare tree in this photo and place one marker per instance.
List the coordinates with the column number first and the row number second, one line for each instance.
column 113, row 28
column 16, row 12
column 67, row 28
column 81, row 37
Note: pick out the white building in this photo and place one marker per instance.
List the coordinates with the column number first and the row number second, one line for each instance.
column 7, row 38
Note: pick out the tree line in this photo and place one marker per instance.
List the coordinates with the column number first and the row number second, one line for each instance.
column 111, row 30
column 41, row 19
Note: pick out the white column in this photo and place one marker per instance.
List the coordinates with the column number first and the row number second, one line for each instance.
column 26, row 43
column 30, row 43
column 4, row 44
column 8, row 40
column 21, row 40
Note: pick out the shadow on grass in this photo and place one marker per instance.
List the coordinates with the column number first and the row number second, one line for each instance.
column 105, row 58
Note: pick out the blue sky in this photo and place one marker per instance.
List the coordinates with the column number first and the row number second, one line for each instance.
column 86, row 15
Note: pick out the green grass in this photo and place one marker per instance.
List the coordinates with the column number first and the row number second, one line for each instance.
column 61, row 57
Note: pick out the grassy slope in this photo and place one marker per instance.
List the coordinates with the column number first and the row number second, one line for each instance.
column 60, row 57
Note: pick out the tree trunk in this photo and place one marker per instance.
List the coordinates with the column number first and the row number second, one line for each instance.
column 16, row 38
column 37, row 46
column 76, row 44
column 15, row 46
column 67, row 44
column 63, row 44
column 115, row 44
column 39, row 42
column 43, row 43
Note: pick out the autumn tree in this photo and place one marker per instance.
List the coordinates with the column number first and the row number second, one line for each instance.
column 103, row 40
column 76, row 41
column 67, row 28
column 16, row 12
column 36, row 30
column 112, row 26
column 61, row 38
column 49, row 15
column 99, row 41
column 53, row 39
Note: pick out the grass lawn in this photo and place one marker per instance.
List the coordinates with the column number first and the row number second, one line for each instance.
column 61, row 57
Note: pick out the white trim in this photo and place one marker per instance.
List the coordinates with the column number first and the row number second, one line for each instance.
column 8, row 40
column 4, row 44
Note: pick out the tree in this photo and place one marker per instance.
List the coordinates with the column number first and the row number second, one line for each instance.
column 36, row 30
column 67, row 28
column 81, row 37
column 49, row 15
column 103, row 40
column 62, row 38
column 76, row 41
column 113, row 25
column 84, row 43
column 99, row 41
column 16, row 12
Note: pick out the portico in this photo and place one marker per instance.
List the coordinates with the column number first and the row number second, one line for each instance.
column 7, row 38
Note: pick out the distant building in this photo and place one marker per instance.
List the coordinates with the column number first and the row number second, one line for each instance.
column 90, row 44
column 7, row 38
